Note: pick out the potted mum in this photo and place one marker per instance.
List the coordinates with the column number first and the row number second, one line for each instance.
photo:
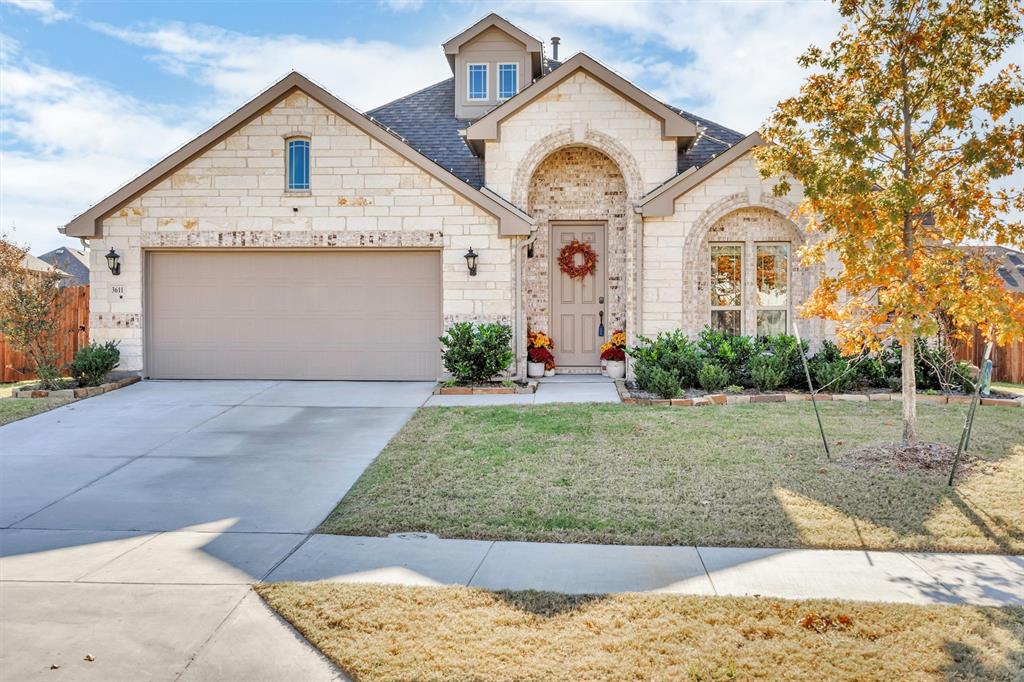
column 613, row 355
column 540, row 359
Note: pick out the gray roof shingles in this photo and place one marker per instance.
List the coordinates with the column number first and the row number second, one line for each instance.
column 426, row 120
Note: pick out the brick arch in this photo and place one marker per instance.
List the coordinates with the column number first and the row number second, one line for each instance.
column 695, row 284
column 594, row 139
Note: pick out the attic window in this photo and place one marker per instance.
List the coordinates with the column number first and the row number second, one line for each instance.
column 298, row 164
column 477, row 82
column 508, row 80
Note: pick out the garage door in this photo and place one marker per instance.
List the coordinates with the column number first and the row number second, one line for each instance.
column 293, row 315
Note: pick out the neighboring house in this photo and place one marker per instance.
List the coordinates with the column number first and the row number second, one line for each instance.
column 71, row 261
column 300, row 238
column 34, row 265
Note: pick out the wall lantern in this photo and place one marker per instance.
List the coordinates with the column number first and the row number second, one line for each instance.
column 114, row 262
column 471, row 257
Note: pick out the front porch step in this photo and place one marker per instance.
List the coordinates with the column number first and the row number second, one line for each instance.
column 578, row 370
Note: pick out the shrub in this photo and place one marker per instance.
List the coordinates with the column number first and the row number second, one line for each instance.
column 670, row 351
column 729, row 351
column 786, row 362
column 94, row 362
column 713, row 377
column 663, row 383
column 834, row 376
column 733, row 388
column 476, row 353
column 768, row 371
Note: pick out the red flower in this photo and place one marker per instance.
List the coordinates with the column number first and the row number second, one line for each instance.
column 541, row 355
column 614, row 354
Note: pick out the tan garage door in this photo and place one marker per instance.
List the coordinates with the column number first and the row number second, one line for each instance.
column 293, row 315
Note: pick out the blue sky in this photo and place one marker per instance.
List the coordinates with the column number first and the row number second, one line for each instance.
column 93, row 93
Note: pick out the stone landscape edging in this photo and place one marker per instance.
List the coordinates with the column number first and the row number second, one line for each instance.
column 529, row 389
column 74, row 393
column 785, row 397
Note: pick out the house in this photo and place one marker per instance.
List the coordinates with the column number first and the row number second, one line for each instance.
column 300, row 238
column 72, row 261
column 33, row 265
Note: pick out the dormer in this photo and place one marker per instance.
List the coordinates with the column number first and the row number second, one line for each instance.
column 492, row 61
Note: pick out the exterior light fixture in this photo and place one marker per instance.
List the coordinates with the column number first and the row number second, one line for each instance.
column 114, row 262
column 471, row 257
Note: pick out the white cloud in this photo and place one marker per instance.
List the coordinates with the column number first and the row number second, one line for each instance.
column 731, row 62
column 46, row 10
column 237, row 66
column 68, row 142
column 402, row 5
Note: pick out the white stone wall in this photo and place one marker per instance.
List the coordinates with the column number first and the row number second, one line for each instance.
column 362, row 195
column 576, row 106
column 736, row 205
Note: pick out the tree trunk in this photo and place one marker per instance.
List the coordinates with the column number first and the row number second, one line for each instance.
column 909, row 391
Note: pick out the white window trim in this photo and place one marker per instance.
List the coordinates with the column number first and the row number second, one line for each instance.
column 743, row 289
column 501, row 64
column 288, row 139
column 469, row 82
column 789, row 285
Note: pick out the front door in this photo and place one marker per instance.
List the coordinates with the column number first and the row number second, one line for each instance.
column 577, row 305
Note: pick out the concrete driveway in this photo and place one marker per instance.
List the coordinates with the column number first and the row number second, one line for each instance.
column 132, row 523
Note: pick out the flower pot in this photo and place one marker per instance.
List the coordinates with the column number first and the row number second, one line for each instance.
column 549, row 372
column 604, row 367
column 534, row 369
column 616, row 369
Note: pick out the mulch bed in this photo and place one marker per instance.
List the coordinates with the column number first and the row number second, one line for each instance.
column 918, row 457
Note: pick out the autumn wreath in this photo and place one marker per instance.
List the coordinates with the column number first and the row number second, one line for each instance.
column 567, row 259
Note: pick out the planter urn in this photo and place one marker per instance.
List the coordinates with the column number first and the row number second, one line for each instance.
column 549, row 372
column 534, row 369
column 616, row 369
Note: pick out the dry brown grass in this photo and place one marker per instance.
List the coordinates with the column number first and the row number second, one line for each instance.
column 376, row 632
column 743, row 475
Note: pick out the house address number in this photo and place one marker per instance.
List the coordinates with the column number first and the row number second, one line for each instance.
column 117, row 291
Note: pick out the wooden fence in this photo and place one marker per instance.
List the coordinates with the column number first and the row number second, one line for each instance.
column 73, row 334
column 1007, row 361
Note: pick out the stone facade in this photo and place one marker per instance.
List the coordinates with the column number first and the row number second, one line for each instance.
column 576, row 184
column 362, row 195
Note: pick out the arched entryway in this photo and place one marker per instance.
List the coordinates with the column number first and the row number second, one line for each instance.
column 578, row 192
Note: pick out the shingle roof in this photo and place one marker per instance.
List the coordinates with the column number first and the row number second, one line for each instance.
column 426, row 119
column 71, row 261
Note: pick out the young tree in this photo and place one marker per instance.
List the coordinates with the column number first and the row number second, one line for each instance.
column 29, row 311
column 897, row 136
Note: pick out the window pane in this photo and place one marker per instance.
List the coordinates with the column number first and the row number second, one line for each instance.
column 773, row 275
column 726, row 321
column 478, row 81
column 298, row 164
column 508, row 83
column 726, row 274
column 771, row 322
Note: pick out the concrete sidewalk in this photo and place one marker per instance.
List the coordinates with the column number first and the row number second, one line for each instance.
column 422, row 559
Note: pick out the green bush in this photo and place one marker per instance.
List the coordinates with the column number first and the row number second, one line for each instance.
column 729, row 351
column 94, row 362
column 768, row 371
column 476, row 353
column 833, row 376
column 671, row 352
column 713, row 377
column 786, row 362
column 663, row 383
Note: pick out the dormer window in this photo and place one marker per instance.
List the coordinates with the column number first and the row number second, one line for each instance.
column 508, row 80
column 298, row 164
column 477, row 82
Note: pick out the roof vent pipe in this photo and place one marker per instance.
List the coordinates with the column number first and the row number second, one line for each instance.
column 554, row 47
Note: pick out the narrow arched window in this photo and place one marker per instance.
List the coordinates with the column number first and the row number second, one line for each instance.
column 298, row 164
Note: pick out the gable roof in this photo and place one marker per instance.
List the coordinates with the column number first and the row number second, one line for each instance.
column 673, row 124
column 661, row 200
column 533, row 46
column 87, row 224
column 71, row 261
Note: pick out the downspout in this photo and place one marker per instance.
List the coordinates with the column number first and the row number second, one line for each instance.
column 520, row 313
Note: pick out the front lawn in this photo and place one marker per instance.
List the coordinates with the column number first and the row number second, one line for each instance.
column 738, row 475
column 376, row 632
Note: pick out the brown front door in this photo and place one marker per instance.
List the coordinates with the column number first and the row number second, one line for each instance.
column 577, row 305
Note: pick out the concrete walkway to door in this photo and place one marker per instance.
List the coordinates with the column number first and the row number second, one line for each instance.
column 133, row 523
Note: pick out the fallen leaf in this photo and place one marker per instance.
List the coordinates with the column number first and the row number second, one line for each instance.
column 90, row 658
column 54, row 666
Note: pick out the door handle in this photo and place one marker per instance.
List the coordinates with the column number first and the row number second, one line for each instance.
column 600, row 326
column 600, row 300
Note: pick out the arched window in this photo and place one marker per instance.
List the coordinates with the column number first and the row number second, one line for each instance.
column 298, row 164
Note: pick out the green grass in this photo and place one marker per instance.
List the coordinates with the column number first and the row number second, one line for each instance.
column 1009, row 388
column 13, row 409
column 377, row 632
column 743, row 475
